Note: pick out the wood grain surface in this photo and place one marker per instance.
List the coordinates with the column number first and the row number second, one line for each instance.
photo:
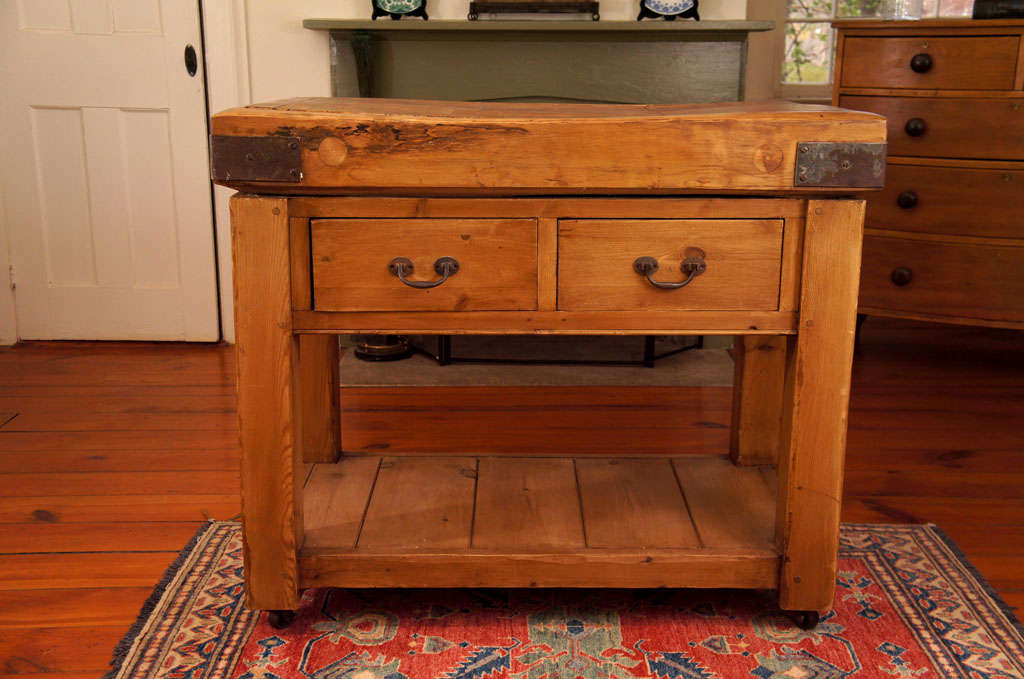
column 449, row 147
column 913, row 456
column 951, row 279
column 958, row 63
column 497, row 264
column 956, row 128
column 815, row 402
column 760, row 368
column 268, row 377
column 983, row 202
column 595, row 264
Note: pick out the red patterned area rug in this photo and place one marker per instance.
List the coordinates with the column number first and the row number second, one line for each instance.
column 907, row 605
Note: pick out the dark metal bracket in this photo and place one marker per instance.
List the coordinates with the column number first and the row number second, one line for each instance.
column 478, row 7
column 839, row 165
column 255, row 159
column 444, row 356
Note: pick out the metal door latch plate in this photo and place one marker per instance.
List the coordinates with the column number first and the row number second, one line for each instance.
column 839, row 165
column 255, row 159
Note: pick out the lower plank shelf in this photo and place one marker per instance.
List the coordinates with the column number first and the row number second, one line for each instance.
column 538, row 522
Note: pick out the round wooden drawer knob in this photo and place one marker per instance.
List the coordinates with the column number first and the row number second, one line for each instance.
column 907, row 200
column 921, row 63
column 901, row 276
column 915, row 127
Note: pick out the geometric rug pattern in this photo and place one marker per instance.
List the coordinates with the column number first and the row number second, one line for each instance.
column 907, row 605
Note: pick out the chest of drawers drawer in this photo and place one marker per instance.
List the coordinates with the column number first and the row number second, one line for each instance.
column 945, row 279
column 730, row 264
column 930, row 62
column 946, row 234
column 949, row 200
column 485, row 264
column 949, row 127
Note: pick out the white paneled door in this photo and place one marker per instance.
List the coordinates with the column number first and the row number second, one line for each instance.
column 105, row 172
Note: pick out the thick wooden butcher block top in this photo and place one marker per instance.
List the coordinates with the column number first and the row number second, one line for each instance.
column 400, row 147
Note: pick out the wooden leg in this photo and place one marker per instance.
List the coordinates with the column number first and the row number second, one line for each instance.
column 815, row 406
column 318, row 398
column 267, row 379
column 757, row 398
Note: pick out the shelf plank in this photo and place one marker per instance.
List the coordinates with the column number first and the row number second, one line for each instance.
column 732, row 507
column 537, row 522
column 527, row 503
column 336, row 496
column 755, row 569
column 633, row 503
column 421, row 503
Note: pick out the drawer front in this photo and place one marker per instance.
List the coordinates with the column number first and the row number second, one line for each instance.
column 596, row 264
column 951, row 200
column 949, row 128
column 964, row 63
column 945, row 279
column 497, row 264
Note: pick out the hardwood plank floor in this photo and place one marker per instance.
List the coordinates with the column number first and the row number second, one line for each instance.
column 113, row 454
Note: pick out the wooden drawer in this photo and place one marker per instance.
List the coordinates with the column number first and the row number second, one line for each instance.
column 953, row 128
column 951, row 200
column 946, row 278
column 595, row 264
column 961, row 63
column 497, row 264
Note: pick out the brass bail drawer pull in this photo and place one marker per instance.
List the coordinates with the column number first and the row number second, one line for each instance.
column 691, row 266
column 444, row 266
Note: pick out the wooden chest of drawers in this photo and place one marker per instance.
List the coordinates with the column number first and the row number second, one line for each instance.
column 945, row 240
column 385, row 216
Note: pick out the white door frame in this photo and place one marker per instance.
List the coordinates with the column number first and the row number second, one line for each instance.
column 8, row 319
column 225, row 43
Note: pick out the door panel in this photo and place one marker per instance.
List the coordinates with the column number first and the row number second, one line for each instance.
column 105, row 179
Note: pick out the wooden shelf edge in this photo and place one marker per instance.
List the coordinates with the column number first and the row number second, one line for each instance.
column 460, row 26
column 589, row 568
column 936, row 318
column 547, row 322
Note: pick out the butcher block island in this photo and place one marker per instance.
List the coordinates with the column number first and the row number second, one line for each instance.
column 390, row 216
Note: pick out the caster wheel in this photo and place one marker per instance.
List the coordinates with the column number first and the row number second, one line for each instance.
column 807, row 620
column 280, row 619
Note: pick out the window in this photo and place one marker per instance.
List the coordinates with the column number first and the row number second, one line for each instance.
column 809, row 46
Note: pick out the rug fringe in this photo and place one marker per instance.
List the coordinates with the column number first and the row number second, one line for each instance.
column 125, row 645
column 1011, row 617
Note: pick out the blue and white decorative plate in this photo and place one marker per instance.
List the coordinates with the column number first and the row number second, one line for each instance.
column 403, row 6
column 668, row 7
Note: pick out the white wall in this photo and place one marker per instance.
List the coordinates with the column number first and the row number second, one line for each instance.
column 286, row 60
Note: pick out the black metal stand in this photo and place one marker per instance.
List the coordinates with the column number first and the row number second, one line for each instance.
column 443, row 356
column 478, row 7
column 382, row 347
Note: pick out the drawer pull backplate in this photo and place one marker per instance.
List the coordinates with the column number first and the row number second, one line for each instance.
column 444, row 266
column 692, row 266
